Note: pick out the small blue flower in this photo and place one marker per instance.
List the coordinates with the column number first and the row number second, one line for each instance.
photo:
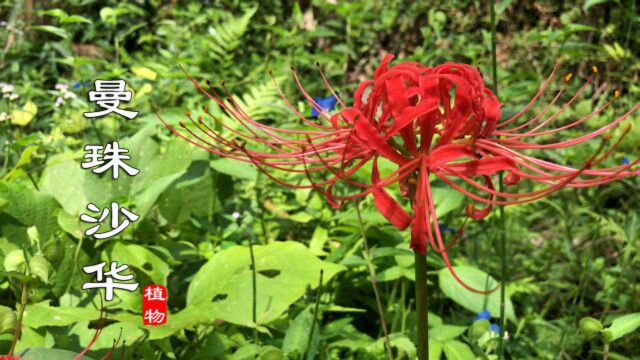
column 327, row 104
column 625, row 161
column 77, row 85
column 483, row 315
column 495, row 328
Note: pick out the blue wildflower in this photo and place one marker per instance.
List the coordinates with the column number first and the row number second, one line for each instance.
column 495, row 328
column 625, row 161
column 76, row 85
column 483, row 315
column 327, row 104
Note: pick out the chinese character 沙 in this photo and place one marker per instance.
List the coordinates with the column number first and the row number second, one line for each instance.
column 116, row 226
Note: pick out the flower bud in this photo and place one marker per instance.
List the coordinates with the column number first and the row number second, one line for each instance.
column 590, row 326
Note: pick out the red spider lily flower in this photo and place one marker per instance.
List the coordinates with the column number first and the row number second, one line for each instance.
column 437, row 122
column 8, row 357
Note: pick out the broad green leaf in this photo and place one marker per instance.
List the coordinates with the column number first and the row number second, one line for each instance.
column 130, row 334
column 446, row 332
column 191, row 194
column 622, row 326
column 285, row 270
column 7, row 320
column 24, row 115
column 435, row 349
column 52, row 30
column 38, row 315
column 456, row 350
column 142, row 259
column 301, row 217
column 234, row 168
column 49, row 354
column 446, row 200
column 25, row 159
column 318, row 240
column 296, row 338
column 39, row 267
column 31, row 208
column 473, row 301
column 14, row 261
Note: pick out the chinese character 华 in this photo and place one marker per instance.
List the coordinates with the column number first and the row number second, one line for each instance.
column 109, row 285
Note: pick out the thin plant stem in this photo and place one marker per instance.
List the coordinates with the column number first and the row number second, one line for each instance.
column 97, row 131
column 254, row 304
column 422, row 306
column 501, row 236
column 23, row 305
column 374, row 283
column 315, row 315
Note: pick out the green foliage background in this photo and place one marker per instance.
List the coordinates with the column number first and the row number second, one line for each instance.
column 573, row 258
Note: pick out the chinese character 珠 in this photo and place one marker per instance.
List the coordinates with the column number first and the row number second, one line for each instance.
column 109, row 284
column 108, row 95
column 112, row 156
column 116, row 227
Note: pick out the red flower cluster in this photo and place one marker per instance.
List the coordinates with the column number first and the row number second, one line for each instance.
column 439, row 121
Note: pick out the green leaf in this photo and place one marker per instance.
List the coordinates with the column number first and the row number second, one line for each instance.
column 297, row 336
column 142, row 259
column 456, row 350
column 39, row 267
column 285, row 270
column 622, row 326
column 49, row 354
column 590, row 3
column 446, row 332
column 144, row 72
column 470, row 300
column 15, row 261
column 234, row 168
column 435, row 349
column 52, row 30
column 39, row 315
column 31, row 208
column 75, row 19
column 23, row 116
column 301, row 217
column 59, row 13
column 7, row 320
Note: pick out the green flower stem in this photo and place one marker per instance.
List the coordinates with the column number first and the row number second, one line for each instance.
column 422, row 306
column 501, row 236
column 374, row 283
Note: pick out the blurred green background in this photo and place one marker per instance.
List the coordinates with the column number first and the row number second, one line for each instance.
column 571, row 256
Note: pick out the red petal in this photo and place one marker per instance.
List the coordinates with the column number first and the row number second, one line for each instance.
column 386, row 205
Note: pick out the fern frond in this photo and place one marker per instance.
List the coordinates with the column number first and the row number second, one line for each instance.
column 226, row 36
